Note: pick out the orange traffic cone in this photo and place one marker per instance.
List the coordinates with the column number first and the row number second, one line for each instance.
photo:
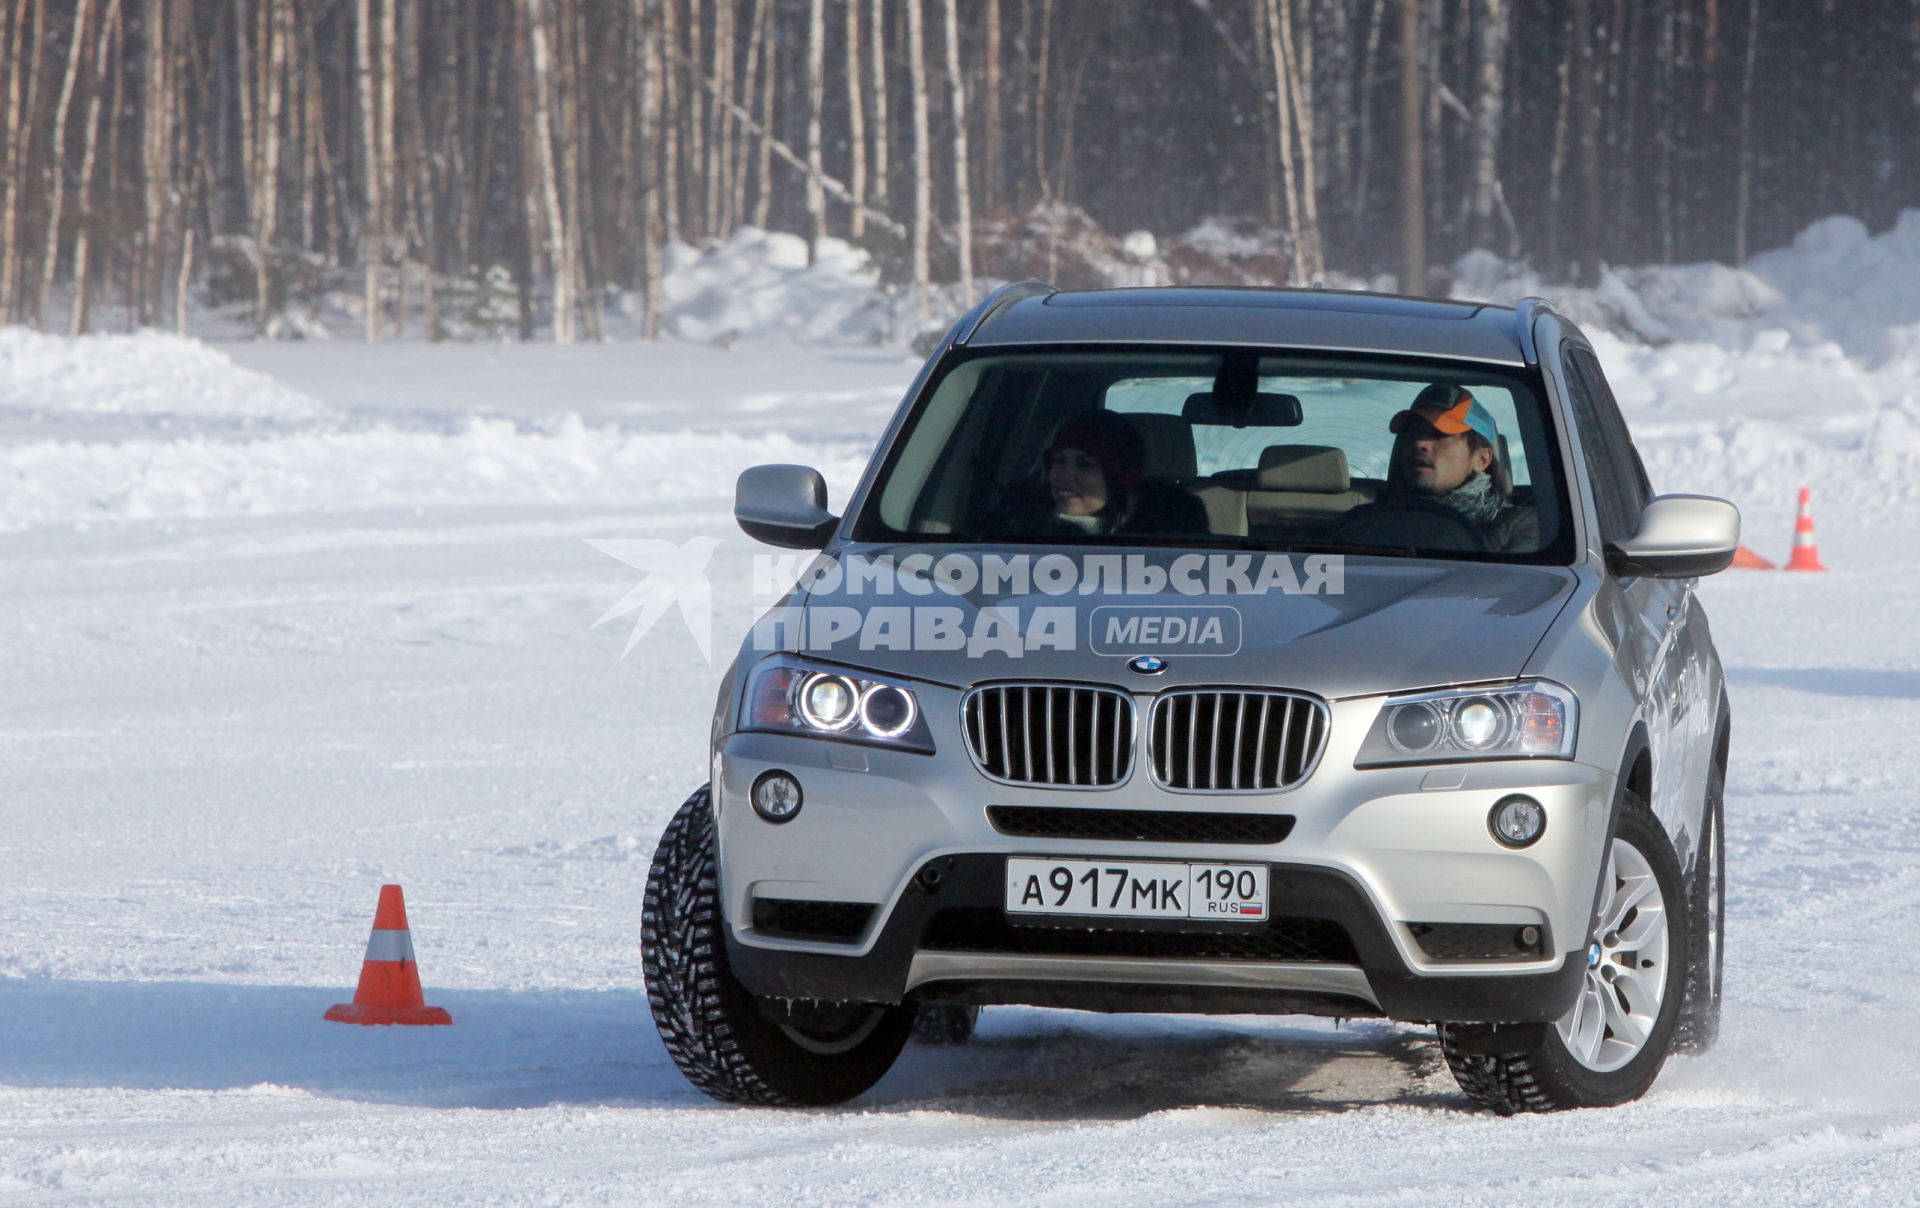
column 1806, row 555
column 1746, row 559
column 389, row 979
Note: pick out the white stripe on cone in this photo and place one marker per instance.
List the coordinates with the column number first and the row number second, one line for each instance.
column 390, row 946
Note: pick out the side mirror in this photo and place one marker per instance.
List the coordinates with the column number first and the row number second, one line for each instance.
column 784, row 506
column 1680, row 537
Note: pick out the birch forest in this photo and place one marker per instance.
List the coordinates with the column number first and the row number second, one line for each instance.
column 165, row 155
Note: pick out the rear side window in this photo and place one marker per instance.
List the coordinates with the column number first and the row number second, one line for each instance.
column 1620, row 487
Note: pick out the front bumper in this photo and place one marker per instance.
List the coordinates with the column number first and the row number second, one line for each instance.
column 1371, row 856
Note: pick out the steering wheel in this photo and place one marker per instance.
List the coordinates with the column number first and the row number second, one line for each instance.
column 1412, row 521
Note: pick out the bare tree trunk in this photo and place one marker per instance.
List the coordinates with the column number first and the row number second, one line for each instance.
column 922, row 153
column 720, row 117
column 1586, row 145
column 156, row 159
column 1743, row 190
column 1283, row 132
column 373, row 225
column 788, row 155
column 651, row 234
column 963, row 207
column 816, row 101
column 1300, row 85
column 992, row 150
column 541, row 63
column 1490, row 54
column 1042, row 65
column 180, row 282
column 266, row 162
column 12, row 30
column 57, row 170
column 1413, row 229
column 22, row 108
column 1557, row 160
column 670, row 116
column 1363, row 150
column 880, row 136
column 109, row 31
column 769, row 63
column 747, row 147
column 696, row 118
column 392, row 188
column 856, row 125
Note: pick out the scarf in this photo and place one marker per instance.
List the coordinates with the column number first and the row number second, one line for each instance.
column 1476, row 499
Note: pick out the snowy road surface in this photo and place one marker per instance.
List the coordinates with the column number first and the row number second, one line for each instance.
column 269, row 643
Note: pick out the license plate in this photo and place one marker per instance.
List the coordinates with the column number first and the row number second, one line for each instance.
column 1230, row 893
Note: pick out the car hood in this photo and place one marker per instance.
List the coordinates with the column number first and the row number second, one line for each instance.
column 1381, row 625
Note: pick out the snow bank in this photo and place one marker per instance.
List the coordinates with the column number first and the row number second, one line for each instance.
column 758, row 284
column 148, row 374
column 194, row 435
column 474, row 461
column 1799, row 368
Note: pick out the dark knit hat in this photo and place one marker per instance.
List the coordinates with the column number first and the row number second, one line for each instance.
column 1110, row 440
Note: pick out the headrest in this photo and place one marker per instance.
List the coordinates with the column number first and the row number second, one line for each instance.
column 1318, row 469
column 1169, row 441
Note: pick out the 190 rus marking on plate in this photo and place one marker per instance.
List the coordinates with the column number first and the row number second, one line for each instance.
column 1234, row 893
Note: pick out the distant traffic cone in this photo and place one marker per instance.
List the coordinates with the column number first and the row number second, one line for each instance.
column 389, row 979
column 1746, row 559
column 1806, row 555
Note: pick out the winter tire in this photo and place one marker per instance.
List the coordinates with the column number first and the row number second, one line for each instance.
column 1609, row 1047
column 946, row 1023
column 732, row 1045
column 1707, row 911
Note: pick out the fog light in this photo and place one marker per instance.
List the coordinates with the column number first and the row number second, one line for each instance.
column 1517, row 821
column 776, row 796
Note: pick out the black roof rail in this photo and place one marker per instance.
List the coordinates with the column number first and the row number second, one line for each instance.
column 999, row 300
column 1525, row 312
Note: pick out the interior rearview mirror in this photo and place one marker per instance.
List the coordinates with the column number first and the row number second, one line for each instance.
column 1263, row 411
column 1680, row 536
column 784, row 506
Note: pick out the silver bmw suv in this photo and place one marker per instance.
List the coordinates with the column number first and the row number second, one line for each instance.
column 1206, row 650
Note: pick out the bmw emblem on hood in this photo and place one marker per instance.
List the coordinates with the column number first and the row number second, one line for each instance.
column 1148, row 664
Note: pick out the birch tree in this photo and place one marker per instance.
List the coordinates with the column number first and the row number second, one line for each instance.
column 816, row 102
column 922, row 154
column 963, row 206
column 1489, row 106
column 57, row 149
column 856, row 125
column 1413, row 230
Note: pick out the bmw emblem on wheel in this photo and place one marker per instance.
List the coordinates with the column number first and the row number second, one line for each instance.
column 1149, row 664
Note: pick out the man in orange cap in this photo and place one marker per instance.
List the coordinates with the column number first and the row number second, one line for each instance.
column 1448, row 449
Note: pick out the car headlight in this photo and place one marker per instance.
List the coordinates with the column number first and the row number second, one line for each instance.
column 788, row 696
column 1530, row 720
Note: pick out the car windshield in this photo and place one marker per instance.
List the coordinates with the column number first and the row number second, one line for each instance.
column 1230, row 448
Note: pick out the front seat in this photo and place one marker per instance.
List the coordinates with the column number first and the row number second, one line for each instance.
column 1302, row 489
column 1172, row 459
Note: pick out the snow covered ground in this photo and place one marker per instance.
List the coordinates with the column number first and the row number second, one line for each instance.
column 283, row 622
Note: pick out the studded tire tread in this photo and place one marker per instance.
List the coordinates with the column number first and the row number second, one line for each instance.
column 714, row 1030
column 1699, row 1025
column 1509, row 1069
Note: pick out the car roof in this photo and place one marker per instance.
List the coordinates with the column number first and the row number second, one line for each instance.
column 1321, row 319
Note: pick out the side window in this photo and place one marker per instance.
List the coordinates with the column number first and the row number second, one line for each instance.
column 1614, row 485
column 1615, row 425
